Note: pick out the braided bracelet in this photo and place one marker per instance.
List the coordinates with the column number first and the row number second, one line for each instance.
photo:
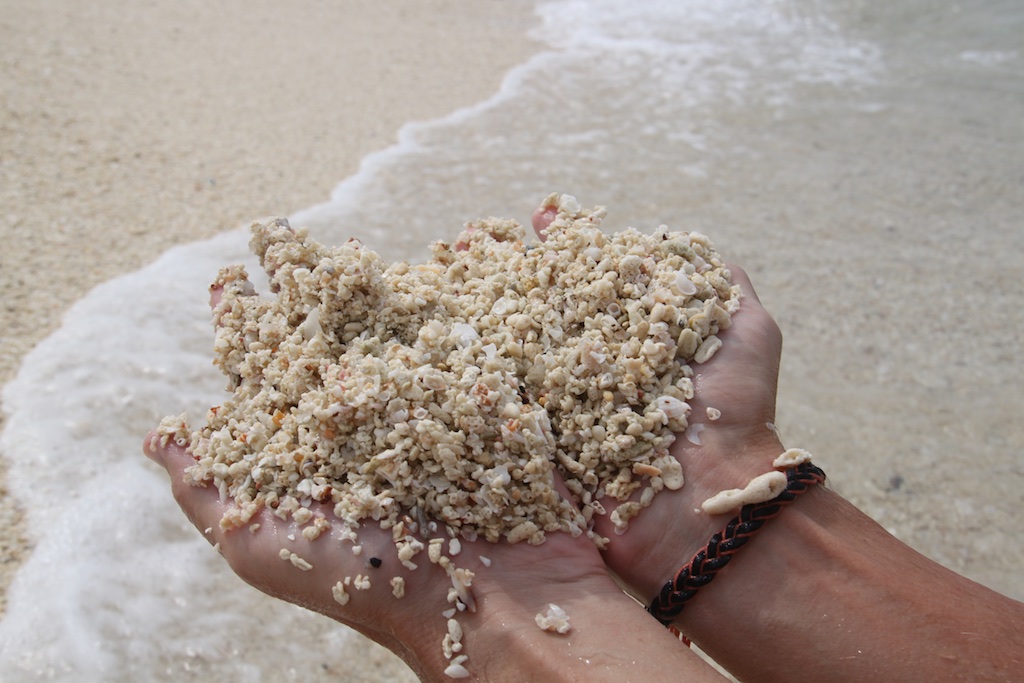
column 667, row 605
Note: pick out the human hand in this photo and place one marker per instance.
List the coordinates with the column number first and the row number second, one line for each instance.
column 519, row 583
column 354, row 580
column 740, row 382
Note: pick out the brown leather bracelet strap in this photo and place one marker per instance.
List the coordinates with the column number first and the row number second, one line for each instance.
column 706, row 564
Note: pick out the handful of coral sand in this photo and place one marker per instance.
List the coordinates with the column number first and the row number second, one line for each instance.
column 445, row 394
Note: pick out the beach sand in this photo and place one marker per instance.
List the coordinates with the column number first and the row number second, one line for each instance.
column 127, row 129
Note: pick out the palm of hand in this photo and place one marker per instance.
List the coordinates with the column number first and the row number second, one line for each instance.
column 740, row 381
column 276, row 559
column 272, row 555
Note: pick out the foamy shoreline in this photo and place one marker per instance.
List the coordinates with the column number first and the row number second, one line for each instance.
column 131, row 130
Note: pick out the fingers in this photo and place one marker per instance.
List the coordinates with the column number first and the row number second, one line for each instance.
column 739, row 277
column 216, row 292
column 542, row 218
column 201, row 504
column 752, row 323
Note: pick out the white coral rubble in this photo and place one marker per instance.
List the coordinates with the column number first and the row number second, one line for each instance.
column 554, row 619
column 457, row 386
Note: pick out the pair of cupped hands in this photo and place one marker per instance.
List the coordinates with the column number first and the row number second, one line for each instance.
column 522, row 579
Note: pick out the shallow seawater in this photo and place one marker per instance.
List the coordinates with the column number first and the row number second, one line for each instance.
column 865, row 164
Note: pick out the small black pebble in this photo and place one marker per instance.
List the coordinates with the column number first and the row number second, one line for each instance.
column 375, row 561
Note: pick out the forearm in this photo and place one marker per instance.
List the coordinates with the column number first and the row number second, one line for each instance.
column 824, row 593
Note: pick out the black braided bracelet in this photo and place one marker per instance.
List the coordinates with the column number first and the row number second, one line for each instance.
column 667, row 605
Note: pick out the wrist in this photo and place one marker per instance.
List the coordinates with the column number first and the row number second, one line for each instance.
column 500, row 639
column 611, row 637
column 684, row 528
column 504, row 640
column 792, row 584
column 764, row 499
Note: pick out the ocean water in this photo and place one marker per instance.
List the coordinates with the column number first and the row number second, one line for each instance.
column 864, row 163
